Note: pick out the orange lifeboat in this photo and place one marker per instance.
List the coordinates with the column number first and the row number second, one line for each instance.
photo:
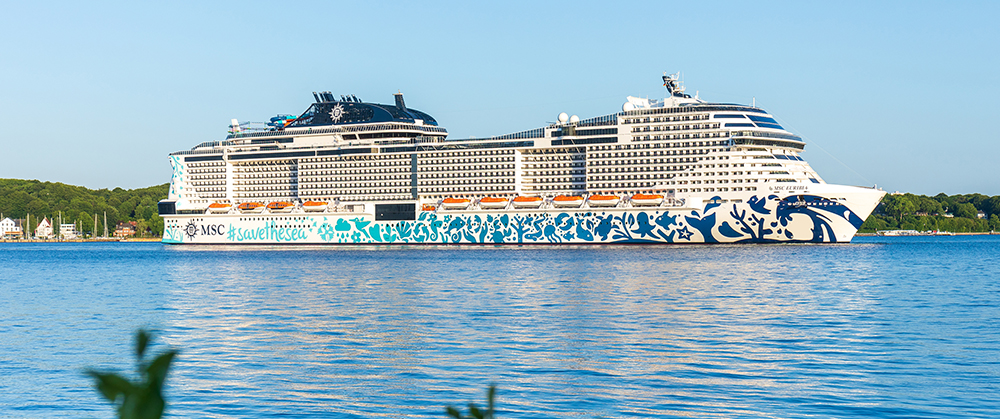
column 218, row 208
column 314, row 206
column 646, row 200
column 280, row 206
column 527, row 202
column 603, row 200
column 251, row 207
column 491, row 202
column 455, row 203
column 429, row 207
column 567, row 201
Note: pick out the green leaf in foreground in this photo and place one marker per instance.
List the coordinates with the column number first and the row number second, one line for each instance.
column 475, row 412
column 142, row 399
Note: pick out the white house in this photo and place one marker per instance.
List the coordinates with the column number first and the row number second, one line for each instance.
column 44, row 229
column 9, row 228
column 67, row 231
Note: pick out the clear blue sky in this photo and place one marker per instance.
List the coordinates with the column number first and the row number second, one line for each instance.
column 899, row 94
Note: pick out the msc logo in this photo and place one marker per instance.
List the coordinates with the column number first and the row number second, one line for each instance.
column 192, row 229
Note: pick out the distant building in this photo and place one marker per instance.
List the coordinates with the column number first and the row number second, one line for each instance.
column 44, row 229
column 10, row 229
column 126, row 229
column 981, row 215
column 67, row 231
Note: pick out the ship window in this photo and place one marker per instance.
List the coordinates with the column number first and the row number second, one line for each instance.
column 766, row 125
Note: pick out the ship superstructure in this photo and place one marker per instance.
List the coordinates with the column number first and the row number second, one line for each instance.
column 674, row 170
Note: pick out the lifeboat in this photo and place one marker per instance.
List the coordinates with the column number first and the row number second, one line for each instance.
column 603, row 200
column 218, row 208
column 280, row 206
column 251, row 207
column 567, row 201
column 455, row 203
column 490, row 202
column 428, row 207
column 314, row 206
column 527, row 202
column 646, row 200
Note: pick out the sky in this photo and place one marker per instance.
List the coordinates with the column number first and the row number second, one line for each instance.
column 901, row 95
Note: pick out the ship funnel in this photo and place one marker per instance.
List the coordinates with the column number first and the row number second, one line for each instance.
column 399, row 101
column 316, row 96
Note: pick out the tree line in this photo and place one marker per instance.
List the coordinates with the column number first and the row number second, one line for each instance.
column 77, row 204
column 954, row 213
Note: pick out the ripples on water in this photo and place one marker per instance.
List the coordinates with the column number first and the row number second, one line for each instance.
column 885, row 327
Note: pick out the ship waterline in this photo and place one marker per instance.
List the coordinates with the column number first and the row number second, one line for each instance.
column 677, row 170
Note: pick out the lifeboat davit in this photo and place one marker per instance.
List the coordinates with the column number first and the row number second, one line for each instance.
column 646, row 200
column 455, row 203
column 604, row 200
column 314, row 206
column 527, row 202
column 280, row 206
column 218, row 208
column 251, row 207
column 490, row 202
column 567, row 201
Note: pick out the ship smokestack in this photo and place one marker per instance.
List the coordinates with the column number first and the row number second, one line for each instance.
column 399, row 101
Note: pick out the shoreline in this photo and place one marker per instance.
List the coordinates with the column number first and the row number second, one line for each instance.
column 977, row 233
column 99, row 240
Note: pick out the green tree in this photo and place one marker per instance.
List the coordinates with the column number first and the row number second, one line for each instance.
column 86, row 222
column 156, row 224
column 928, row 206
column 15, row 203
column 992, row 206
column 127, row 208
column 876, row 222
column 965, row 210
column 898, row 205
column 37, row 206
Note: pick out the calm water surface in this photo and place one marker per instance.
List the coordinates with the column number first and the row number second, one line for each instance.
column 884, row 327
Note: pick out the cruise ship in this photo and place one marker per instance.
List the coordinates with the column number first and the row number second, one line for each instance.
column 675, row 170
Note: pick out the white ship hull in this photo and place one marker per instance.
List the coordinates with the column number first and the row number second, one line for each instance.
column 773, row 218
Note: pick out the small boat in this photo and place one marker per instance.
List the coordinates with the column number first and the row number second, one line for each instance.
column 218, row 208
column 567, row 201
column 314, row 206
column 455, row 203
column 646, row 200
column 527, row 202
column 428, row 207
column 490, row 202
column 280, row 206
column 251, row 207
column 603, row 200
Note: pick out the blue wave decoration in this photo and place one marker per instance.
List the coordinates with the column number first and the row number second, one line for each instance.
column 802, row 218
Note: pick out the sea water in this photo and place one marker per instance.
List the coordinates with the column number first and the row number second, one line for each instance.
column 883, row 327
